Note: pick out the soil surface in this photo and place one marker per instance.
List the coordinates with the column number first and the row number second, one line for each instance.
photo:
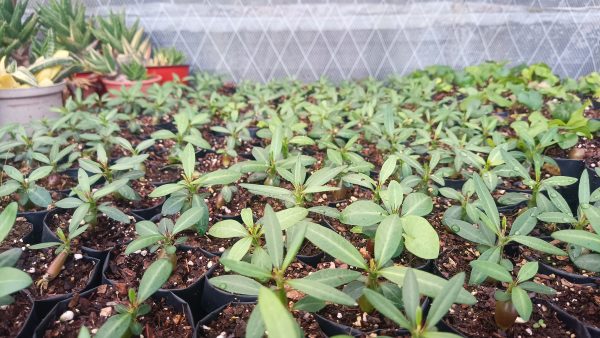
column 581, row 301
column 478, row 320
column 158, row 169
column 105, row 235
column 143, row 188
column 354, row 317
column 91, row 311
column 15, row 315
column 74, row 277
column 129, row 269
column 14, row 239
column 233, row 319
column 57, row 182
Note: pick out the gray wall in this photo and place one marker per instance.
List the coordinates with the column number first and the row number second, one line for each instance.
column 305, row 39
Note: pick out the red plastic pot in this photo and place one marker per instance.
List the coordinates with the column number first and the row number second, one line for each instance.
column 167, row 72
column 118, row 84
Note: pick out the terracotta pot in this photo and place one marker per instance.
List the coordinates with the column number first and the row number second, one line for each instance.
column 116, row 85
column 24, row 105
column 167, row 72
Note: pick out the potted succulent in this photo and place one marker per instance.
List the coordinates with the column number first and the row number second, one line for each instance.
column 28, row 90
column 168, row 63
column 72, row 31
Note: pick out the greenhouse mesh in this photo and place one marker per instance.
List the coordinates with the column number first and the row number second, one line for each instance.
column 263, row 40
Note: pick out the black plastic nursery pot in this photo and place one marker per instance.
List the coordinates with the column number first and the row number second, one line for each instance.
column 576, row 278
column 169, row 298
column 28, row 326
column 36, row 218
column 190, row 294
column 42, row 307
column 148, row 213
column 454, row 184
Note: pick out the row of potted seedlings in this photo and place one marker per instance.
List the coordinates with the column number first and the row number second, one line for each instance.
column 331, row 203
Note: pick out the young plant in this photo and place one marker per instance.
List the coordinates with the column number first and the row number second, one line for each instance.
column 514, row 301
column 413, row 320
column 303, row 188
column 11, row 279
column 60, row 160
column 87, row 203
column 270, row 266
column 267, row 161
column 124, row 323
column 163, row 236
column 467, row 210
column 387, row 170
column 490, row 232
column 412, row 230
column 236, row 133
column 377, row 272
column 536, row 184
column 584, row 250
column 63, row 251
column 186, row 194
column 187, row 133
column 28, row 194
column 427, row 179
column 251, row 234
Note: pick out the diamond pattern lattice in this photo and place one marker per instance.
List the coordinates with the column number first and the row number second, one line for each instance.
column 351, row 39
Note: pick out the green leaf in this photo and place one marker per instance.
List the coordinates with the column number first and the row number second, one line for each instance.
column 39, row 173
column 522, row 303
column 142, row 242
column 487, row 202
column 322, row 176
column 7, row 219
column 13, row 173
column 291, row 216
column 69, row 203
column 115, row 326
column 166, row 189
column 228, row 229
column 188, row 160
column 334, row 277
column 155, row 276
column 528, row 271
column 579, row 237
column 420, row 238
column 40, row 196
column 559, row 181
column 537, row 288
column 294, row 237
column 387, row 169
column 146, row 228
column 417, row 204
column 335, row 245
column 593, row 215
column 273, row 236
column 429, row 284
column 12, row 280
column 493, row 270
column 523, row 224
column 584, row 188
column 538, row 244
column 269, row 191
column 219, row 177
column 387, row 239
column 556, row 217
column 236, row 284
column 246, row 269
column 114, row 213
column 84, row 333
column 309, row 304
column 44, row 245
column 442, row 303
column 278, row 321
column 387, row 308
column 321, row 291
column 438, row 334
column 255, row 327
column 78, row 215
column 411, row 295
column 362, row 213
column 239, row 249
column 109, row 188
column 187, row 220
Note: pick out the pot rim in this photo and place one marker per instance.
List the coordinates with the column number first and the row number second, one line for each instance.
column 18, row 93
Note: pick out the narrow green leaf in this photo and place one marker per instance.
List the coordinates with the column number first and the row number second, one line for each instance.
column 155, row 276
column 442, row 303
column 273, row 236
column 522, row 302
column 115, row 326
column 278, row 320
column 387, row 308
column 335, row 245
column 387, row 239
column 236, row 284
column 321, row 291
